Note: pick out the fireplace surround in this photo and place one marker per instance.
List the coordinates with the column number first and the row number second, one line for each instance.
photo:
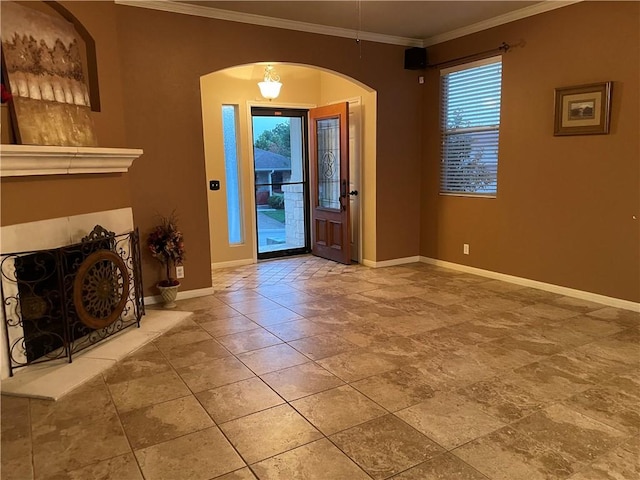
column 55, row 379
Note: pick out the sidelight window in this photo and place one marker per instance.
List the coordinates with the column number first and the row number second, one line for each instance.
column 232, row 173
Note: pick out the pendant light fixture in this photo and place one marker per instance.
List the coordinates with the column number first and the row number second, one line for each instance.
column 270, row 87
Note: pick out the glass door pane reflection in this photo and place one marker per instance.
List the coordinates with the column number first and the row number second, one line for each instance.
column 280, row 184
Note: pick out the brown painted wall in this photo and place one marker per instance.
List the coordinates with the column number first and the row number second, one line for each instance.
column 565, row 205
column 29, row 199
column 149, row 66
column 164, row 55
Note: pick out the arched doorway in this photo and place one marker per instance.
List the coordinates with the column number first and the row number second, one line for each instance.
column 227, row 99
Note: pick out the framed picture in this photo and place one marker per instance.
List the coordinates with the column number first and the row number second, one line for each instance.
column 583, row 110
column 43, row 69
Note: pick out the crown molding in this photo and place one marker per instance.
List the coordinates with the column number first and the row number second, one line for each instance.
column 240, row 17
column 519, row 14
column 219, row 14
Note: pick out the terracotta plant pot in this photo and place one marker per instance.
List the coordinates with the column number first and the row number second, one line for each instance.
column 168, row 295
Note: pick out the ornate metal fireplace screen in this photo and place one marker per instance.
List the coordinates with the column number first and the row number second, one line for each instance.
column 58, row 302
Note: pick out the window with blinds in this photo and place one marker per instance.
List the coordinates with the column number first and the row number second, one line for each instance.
column 470, row 124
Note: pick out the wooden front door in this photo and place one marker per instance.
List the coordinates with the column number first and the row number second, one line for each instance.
column 329, row 182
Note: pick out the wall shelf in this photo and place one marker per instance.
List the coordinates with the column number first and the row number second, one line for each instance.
column 31, row 160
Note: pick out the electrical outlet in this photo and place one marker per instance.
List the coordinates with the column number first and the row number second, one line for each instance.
column 179, row 271
column 465, row 249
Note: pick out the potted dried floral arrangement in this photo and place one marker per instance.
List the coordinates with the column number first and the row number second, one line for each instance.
column 166, row 245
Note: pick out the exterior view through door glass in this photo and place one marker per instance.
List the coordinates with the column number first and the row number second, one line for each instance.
column 281, row 185
column 329, row 178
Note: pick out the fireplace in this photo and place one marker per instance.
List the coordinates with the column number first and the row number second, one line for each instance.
column 57, row 302
column 62, row 287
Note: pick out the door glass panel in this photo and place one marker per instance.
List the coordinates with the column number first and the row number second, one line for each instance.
column 328, row 141
column 281, row 185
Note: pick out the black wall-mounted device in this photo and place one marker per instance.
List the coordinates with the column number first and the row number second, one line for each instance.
column 214, row 184
column 415, row 58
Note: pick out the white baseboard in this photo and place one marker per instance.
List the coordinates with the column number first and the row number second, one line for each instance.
column 233, row 263
column 200, row 292
column 549, row 287
column 390, row 263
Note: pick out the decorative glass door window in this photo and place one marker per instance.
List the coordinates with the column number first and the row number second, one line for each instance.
column 328, row 138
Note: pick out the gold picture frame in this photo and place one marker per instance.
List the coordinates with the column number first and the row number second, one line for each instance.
column 583, row 110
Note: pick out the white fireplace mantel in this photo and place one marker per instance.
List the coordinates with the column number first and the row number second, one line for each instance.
column 29, row 160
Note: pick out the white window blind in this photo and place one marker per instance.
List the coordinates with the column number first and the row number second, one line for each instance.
column 470, row 124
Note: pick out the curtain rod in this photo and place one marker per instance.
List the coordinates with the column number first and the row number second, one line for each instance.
column 504, row 47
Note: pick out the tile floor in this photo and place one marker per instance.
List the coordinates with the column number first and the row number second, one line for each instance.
column 304, row 369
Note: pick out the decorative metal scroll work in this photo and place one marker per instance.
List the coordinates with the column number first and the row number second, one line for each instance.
column 98, row 233
column 58, row 302
column 100, row 289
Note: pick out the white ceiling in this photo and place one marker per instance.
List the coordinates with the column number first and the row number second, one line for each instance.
column 405, row 22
